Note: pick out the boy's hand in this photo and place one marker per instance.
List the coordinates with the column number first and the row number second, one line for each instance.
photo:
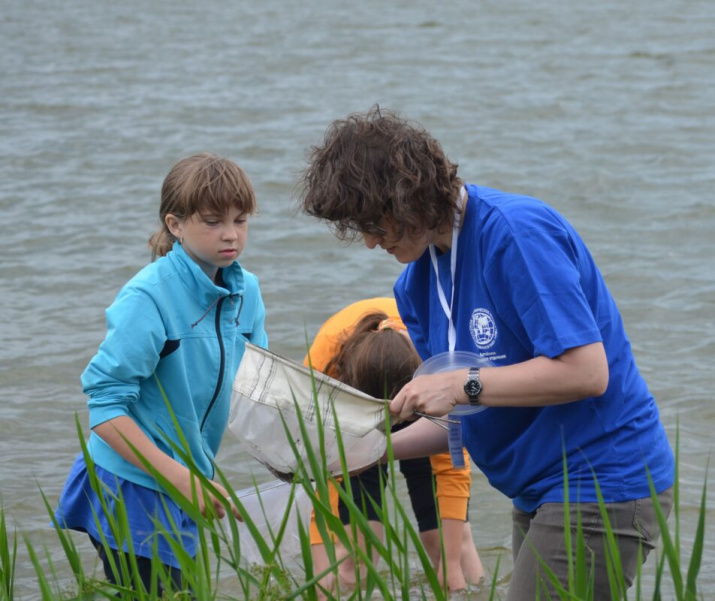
column 190, row 486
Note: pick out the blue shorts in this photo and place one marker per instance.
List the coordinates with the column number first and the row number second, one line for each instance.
column 80, row 509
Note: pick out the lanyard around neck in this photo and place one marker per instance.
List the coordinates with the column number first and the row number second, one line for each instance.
column 447, row 308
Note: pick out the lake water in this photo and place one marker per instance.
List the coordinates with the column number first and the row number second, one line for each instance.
column 606, row 110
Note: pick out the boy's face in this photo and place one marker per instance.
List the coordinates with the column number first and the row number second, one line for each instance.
column 405, row 248
column 212, row 241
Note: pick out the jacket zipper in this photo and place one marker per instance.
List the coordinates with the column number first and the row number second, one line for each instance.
column 222, row 364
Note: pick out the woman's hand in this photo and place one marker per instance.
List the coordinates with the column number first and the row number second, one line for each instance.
column 434, row 394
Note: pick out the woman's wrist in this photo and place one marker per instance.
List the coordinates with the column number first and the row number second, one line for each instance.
column 458, row 381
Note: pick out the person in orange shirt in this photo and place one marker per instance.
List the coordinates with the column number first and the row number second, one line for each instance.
column 366, row 346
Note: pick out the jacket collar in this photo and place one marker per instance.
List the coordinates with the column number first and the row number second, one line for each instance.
column 194, row 277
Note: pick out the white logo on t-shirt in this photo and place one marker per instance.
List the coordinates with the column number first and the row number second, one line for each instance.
column 483, row 328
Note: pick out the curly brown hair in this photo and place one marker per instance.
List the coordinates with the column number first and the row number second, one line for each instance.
column 374, row 361
column 376, row 164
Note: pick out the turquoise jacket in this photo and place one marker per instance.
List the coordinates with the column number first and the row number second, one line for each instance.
column 171, row 324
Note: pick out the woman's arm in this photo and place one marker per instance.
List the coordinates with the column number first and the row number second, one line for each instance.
column 421, row 439
column 578, row 373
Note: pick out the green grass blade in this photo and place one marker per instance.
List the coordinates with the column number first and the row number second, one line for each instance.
column 8, row 558
column 698, row 545
column 45, row 590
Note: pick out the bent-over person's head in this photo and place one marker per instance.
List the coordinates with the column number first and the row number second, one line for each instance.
column 374, row 167
column 375, row 357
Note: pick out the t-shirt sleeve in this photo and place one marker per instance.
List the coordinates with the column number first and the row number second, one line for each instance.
column 535, row 278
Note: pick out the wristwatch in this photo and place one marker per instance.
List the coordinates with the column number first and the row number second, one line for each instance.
column 473, row 386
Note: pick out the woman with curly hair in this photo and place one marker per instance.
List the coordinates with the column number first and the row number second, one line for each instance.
column 506, row 277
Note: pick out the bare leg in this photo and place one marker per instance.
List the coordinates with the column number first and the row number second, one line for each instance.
column 453, row 530
column 430, row 541
column 471, row 563
column 466, row 568
column 320, row 563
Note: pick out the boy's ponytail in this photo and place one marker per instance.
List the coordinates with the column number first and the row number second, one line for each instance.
column 161, row 242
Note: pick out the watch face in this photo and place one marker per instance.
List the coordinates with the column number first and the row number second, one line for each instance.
column 473, row 387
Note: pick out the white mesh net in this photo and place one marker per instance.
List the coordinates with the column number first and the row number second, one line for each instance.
column 268, row 386
column 267, row 505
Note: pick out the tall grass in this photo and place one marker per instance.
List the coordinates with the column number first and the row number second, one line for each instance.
column 8, row 555
column 402, row 569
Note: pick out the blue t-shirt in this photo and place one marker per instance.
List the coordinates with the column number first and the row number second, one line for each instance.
column 526, row 285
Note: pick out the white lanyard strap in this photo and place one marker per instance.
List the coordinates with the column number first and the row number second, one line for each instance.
column 447, row 308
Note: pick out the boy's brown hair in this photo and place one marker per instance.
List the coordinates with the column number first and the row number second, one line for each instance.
column 203, row 183
column 376, row 164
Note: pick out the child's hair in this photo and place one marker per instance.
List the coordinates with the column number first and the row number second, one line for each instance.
column 375, row 164
column 203, row 183
column 375, row 359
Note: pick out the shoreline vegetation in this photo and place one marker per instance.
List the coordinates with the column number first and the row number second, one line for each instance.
column 395, row 575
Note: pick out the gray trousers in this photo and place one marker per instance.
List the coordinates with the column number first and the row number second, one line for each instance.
column 541, row 533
